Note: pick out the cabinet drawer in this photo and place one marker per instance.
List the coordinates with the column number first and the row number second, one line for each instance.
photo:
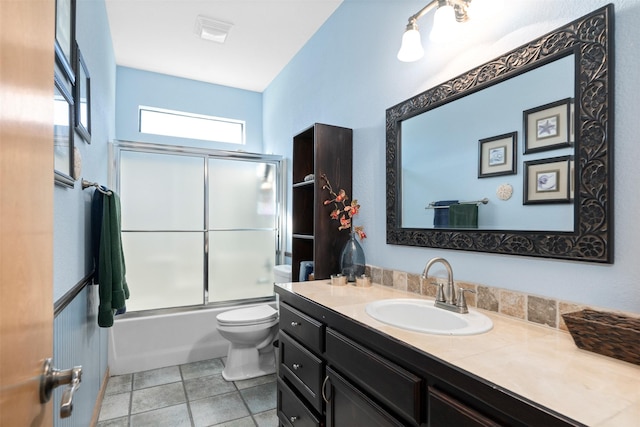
column 445, row 411
column 302, row 368
column 291, row 411
column 390, row 384
column 305, row 329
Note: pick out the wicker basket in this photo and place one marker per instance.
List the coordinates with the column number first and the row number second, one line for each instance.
column 609, row 334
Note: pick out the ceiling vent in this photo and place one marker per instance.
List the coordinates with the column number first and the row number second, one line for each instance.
column 212, row 29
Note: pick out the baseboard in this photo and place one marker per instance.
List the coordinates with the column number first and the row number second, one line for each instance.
column 98, row 405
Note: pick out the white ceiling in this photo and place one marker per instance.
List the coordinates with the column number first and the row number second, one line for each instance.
column 159, row 36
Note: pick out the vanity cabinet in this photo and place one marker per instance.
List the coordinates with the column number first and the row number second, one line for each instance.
column 301, row 370
column 378, row 377
column 445, row 411
column 336, row 372
column 320, row 149
column 348, row 406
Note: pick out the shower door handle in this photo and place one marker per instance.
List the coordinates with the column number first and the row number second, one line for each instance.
column 52, row 378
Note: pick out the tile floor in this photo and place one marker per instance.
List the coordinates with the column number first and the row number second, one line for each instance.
column 190, row 395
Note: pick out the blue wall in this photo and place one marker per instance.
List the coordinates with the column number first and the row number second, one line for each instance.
column 77, row 338
column 497, row 110
column 348, row 75
column 137, row 87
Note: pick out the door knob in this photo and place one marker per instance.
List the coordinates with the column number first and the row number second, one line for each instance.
column 52, row 378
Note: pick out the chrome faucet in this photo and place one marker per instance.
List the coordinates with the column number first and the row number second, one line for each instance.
column 448, row 300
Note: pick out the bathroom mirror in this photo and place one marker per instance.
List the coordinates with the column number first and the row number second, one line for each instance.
column 538, row 121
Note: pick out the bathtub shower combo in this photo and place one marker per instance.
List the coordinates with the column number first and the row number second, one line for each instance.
column 202, row 236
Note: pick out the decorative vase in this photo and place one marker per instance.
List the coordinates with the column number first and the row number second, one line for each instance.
column 352, row 259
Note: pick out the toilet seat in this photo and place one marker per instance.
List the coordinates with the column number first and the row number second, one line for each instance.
column 256, row 315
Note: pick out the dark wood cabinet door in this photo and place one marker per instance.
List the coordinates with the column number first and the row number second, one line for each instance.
column 349, row 407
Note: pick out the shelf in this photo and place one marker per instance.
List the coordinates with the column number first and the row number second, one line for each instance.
column 303, row 236
column 304, row 184
column 320, row 149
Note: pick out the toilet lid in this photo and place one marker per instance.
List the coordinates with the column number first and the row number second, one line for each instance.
column 248, row 316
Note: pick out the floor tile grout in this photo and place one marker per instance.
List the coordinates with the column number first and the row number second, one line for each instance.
column 197, row 370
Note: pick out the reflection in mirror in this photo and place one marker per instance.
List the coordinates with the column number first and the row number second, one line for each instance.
column 451, row 134
column 561, row 206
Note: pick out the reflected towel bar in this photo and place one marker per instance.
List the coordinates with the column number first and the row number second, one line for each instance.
column 86, row 184
column 476, row 202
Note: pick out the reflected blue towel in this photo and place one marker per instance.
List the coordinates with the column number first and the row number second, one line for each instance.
column 441, row 215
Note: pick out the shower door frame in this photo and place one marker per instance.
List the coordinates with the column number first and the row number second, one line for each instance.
column 117, row 146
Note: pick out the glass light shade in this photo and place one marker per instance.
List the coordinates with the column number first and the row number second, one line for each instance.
column 481, row 9
column 443, row 23
column 411, row 48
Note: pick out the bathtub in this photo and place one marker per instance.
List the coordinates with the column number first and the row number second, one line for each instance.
column 155, row 341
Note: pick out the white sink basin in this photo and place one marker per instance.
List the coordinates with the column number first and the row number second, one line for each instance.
column 422, row 316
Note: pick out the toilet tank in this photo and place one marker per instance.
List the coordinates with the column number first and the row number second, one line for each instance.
column 282, row 273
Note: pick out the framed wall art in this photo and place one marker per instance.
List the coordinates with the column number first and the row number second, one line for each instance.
column 65, row 34
column 497, row 155
column 63, row 132
column 548, row 180
column 82, row 97
column 548, row 126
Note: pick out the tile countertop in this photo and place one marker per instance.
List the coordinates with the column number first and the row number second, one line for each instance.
column 536, row 362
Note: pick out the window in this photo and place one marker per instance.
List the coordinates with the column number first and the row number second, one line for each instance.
column 194, row 126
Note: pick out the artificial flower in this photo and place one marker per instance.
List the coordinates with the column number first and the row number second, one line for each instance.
column 343, row 211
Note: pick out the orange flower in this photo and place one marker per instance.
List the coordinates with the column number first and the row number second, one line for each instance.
column 344, row 223
column 350, row 210
column 354, row 208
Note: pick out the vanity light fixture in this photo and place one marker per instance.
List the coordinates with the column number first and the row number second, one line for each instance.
column 448, row 12
column 212, row 29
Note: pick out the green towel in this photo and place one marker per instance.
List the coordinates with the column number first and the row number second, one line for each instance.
column 463, row 215
column 111, row 268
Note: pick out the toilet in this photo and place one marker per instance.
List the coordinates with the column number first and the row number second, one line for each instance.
column 251, row 332
column 282, row 273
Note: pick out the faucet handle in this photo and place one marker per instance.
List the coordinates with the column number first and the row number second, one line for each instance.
column 440, row 294
column 462, row 301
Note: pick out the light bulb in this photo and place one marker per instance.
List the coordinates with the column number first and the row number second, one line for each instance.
column 443, row 23
column 411, row 49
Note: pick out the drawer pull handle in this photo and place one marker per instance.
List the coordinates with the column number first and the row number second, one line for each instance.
column 296, row 366
column 294, row 419
column 324, row 385
column 294, row 324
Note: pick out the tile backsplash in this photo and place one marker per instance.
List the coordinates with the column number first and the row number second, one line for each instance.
column 532, row 308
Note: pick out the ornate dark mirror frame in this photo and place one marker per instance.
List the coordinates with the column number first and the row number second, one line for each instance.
column 590, row 38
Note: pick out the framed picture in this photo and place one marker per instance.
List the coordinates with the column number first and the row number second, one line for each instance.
column 65, row 34
column 572, row 179
column 497, row 155
column 549, row 126
column 548, row 180
column 63, row 131
column 82, row 98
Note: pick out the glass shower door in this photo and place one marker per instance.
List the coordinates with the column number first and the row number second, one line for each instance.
column 242, row 229
column 162, row 197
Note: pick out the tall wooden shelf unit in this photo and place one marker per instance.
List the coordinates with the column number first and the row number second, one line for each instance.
column 320, row 149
